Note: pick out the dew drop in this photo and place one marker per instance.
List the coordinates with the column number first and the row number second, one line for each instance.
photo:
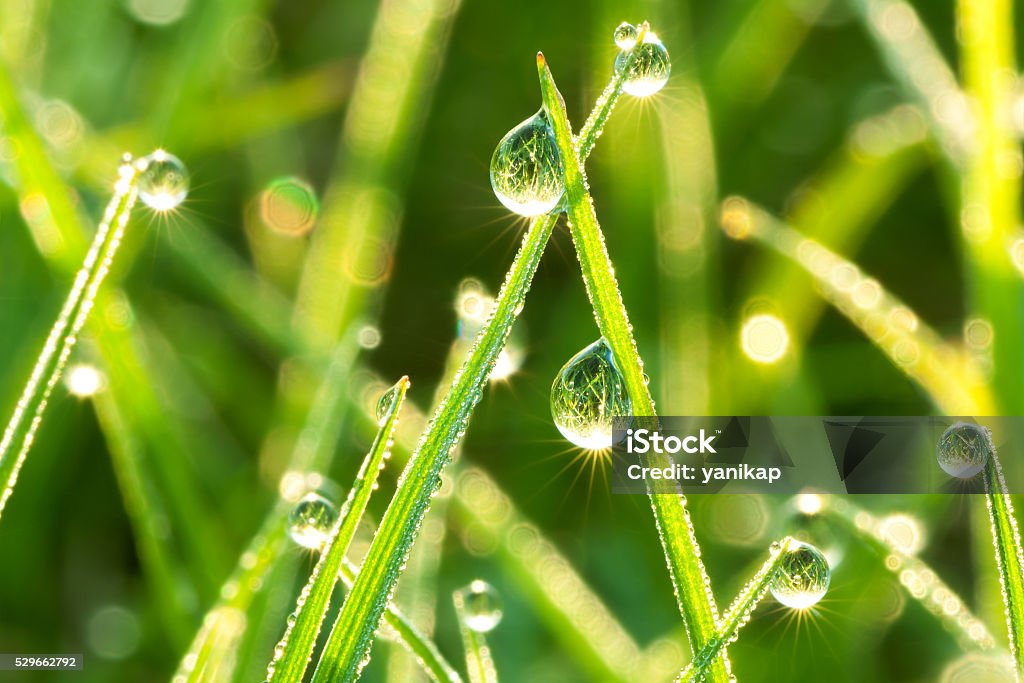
column 802, row 577
column 385, row 404
column 625, row 35
column 587, row 393
column 481, row 606
column 964, row 449
column 163, row 181
column 650, row 68
column 310, row 521
column 526, row 170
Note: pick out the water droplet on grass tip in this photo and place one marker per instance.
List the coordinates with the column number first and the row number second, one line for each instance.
column 650, row 67
column 587, row 393
column 481, row 606
column 526, row 169
column 964, row 449
column 625, row 35
column 385, row 404
column 802, row 577
column 163, row 181
column 311, row 519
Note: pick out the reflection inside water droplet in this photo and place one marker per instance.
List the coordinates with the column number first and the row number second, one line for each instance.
column 802, row 577
column 650, row 67
column 587, row 393
column 482, row 609
column 310, row 521
column 964, row 449
column 163, row 181
column 526, row 169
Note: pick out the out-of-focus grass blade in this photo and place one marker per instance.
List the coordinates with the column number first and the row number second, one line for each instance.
column 211, row 656
column 358, row 226
column 882, row 154
column 145, row 509
column 991, row 187
column 293, row 652
column 690, row 579
column 1009, row 556
column 948, row 375
column 265, row 108
column 737, row 615
column 914, row 59
column 919, row 580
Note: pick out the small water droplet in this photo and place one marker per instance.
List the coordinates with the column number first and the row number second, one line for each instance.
column 526, row 170
column 802, row 577
column 963, row 450
column 385, row 404
column 310, row 521
column 587, row 393
column 163, row 181
column 625, row 35
column 650, row 68
column 481, row 606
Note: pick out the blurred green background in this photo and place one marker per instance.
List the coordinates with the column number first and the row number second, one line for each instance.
column 767, row 100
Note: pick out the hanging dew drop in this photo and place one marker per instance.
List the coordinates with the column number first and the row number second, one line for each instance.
column 802, row 577
column 964, row 449
column 481, row 606
column 385, row 404
column 587, row 393
column 650, row 67
column 526, row 169
column 310, row 521
column 625, row 35
column 163, row 181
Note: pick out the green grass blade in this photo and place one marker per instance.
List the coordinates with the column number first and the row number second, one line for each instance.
column 422, row 649
column 293, row 652
column 737, row 615
column 949, row 377
column 916, row 577
column 478, row 654
column 28, row 413
column 348, row 647
column 991, row 194
column 217, row 638
column 690, row 579
column 145, row 509
column 1009, row 556
column 916, row 62
column 358, row 226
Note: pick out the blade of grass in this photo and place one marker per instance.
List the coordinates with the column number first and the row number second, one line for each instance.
column 1009, row 556
column 881, row 156
column 737, row 615
column 916, row 577
column 990, row 204
column 28, row 413
column 917, row 64
column 146, row 510
column 478, row 655
column 682, row 553
column 947, row 375
column 348, row 647
column 295, row 649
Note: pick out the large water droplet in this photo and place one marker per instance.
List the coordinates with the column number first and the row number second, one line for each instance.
column 526, row 170
column 163, row 181
column 310, row 521
column 385, row 404
column 587, row 393
column 625, row 35
column 650, row 68
column 802, row 577
column 481, row 606
column 964, row 449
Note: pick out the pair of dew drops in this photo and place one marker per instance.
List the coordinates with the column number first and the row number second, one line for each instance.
column 527, row 172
